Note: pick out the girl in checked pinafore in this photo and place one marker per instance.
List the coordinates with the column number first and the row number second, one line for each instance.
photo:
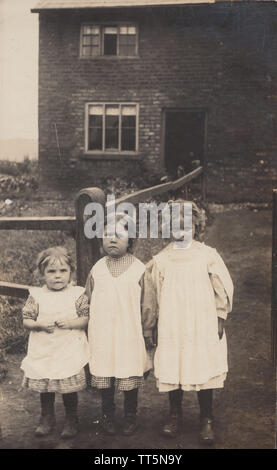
column 120, row 326
column 56, row 315
column 194, row 294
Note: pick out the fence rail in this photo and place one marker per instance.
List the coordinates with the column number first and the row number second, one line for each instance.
column 143, row 194
column 37, row 223
column 14, row 290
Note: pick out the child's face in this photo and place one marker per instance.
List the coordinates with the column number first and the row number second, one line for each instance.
column 116, row 246
column 57, row 275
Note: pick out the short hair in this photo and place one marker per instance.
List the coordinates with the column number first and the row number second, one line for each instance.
column 47, row 256
column 198, row 216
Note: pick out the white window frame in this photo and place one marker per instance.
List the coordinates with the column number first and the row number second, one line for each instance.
column 102, row 25
column 118, row 151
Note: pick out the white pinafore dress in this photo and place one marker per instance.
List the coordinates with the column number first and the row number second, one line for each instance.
column 189, row 352
column 64, row 352
column 116, row 342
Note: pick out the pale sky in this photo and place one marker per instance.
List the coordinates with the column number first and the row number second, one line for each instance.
column 18, row 69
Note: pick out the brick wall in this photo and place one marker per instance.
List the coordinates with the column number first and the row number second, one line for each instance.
column 221, row 58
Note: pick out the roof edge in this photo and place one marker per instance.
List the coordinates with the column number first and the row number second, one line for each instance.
column 153, row 5
column 107, row 6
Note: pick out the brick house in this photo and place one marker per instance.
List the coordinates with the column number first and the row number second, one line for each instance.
column 129, row 86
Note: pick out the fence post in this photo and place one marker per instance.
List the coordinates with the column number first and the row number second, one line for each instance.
column 274, row 279
column 203, row 185
column 87, row 251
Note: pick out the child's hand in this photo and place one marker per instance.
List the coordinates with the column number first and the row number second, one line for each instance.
column 149, row 344
column 48, row 327
column 64, row 324
column 220, row 327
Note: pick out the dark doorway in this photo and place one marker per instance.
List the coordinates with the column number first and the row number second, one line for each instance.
column 184, row 140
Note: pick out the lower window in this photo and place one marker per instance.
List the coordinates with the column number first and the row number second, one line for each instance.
column 112, row 127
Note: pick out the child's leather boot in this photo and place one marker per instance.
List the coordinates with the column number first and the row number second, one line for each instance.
column 206, row 431
column 108, row 424
column 47, row 418
column 130, row 424
column 70, row 428
column 46, row 425
column 172, row 427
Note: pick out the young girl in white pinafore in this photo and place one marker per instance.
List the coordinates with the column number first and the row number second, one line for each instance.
column 194, row 294
column 119, row 329
column 56, row 315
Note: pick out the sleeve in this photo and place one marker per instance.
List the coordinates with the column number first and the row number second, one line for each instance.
column 89, row 287
column 221, row 298
column 222, row 284
column 30, row 309
column 148, row 303
column 82, row 306
column 157, row 279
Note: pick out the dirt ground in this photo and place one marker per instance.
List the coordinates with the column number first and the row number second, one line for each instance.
column 244, row 410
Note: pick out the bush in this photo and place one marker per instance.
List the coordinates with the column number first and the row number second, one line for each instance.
column 12, row 336
column 3, row 370
column 27, row 167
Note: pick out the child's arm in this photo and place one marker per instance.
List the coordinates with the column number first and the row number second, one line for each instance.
column 223, row 289
column 89, row 287
column 148, row 306
column 79, row 323
column 35, row 325
column 221, row 302
column 30, row 314
column 221, row 298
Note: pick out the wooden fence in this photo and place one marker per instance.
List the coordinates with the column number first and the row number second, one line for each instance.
column 87, row 251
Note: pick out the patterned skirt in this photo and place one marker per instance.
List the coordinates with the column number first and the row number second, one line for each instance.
column 126, row 384
column 75, row 383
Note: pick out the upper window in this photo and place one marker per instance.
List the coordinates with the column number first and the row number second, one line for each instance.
column 112, row 127
column 109, row 40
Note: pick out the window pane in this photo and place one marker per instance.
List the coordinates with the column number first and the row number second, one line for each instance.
column 86, row 51
column 110, row 30
column 91, row 29
column 112, row 110
column 87, row 40
column 95, row 29
column 127, row 44
column 95, row 139
column 95, row 132
column 111, row 132
column 128, row 110
column 112, row 122
column 128, row 139
column 111, row 142
column 95, row 40
column 127, row 30
column 126, row 39
column 95, row 121
column 96, row 109
column 87, row 30
column 110, row 41
column 95, row 50
column 128, row 121
column 128, row 132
